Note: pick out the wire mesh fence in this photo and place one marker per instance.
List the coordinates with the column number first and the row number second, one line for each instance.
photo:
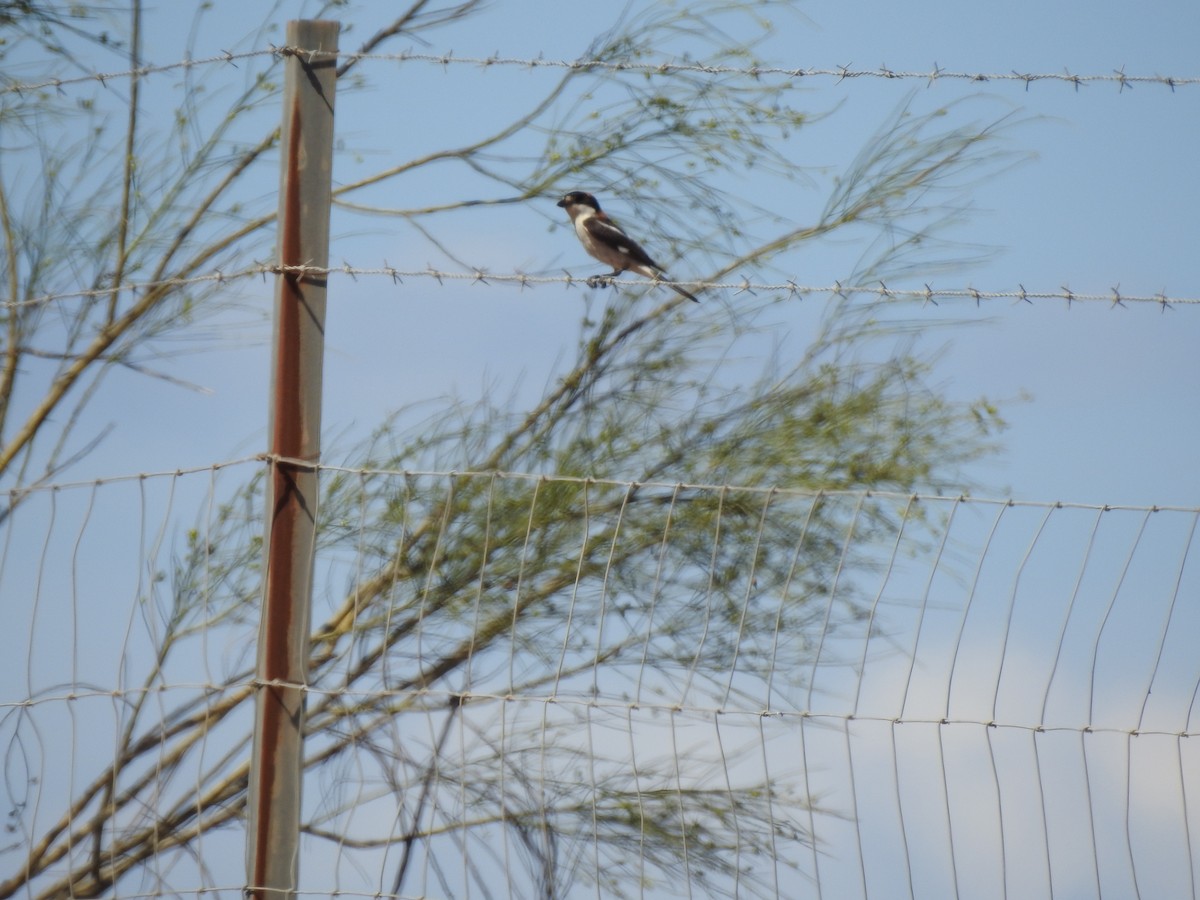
column 540, row 685
column 544, row 686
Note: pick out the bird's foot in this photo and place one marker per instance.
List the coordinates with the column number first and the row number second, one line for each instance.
column 600, row 281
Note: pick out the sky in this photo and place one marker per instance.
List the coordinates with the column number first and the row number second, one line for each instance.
column 1100, row 400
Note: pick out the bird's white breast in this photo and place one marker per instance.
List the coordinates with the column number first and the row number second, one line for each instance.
column 585, row 236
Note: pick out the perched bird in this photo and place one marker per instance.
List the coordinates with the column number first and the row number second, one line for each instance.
column 604, row 239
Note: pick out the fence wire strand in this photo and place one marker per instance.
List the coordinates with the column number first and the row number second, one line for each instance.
column 838, row 73
column 102, row 78
column 398, row 276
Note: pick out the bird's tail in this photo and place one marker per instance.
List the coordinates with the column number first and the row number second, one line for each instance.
column 684, row 293
column 677, row 289
column 659, row 274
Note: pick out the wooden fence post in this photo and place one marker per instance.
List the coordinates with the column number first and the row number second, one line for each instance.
column 277, row 765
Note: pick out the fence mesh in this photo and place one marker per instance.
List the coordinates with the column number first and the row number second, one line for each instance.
column 542, row 686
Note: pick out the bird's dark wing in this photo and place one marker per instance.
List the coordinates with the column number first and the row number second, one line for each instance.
column 606, row 232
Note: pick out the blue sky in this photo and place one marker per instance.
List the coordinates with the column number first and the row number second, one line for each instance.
column 1105, row 198
column 1101, row 401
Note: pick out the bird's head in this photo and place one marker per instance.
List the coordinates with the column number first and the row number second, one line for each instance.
column 578, row 198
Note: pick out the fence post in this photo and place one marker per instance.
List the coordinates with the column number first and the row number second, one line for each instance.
column 277, row 764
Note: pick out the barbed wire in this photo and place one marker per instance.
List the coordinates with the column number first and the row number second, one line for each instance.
column 225, row 56
column 926, row 294
column 133, row 286
column 839, row 72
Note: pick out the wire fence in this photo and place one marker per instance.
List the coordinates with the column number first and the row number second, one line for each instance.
column 530, row 685
column 541, row 685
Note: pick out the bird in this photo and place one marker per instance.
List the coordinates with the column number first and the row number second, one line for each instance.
column 604, row 239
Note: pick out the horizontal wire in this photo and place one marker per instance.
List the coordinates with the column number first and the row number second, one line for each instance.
column 926, row 294
column 93, row 293
column 21, row 87
column 899, row 497
column 839, row 72
column 53, row 487
column 591, row 702
column 666, row 67
column 896, row 496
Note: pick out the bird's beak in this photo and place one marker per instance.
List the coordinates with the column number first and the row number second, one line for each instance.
column 562, row 202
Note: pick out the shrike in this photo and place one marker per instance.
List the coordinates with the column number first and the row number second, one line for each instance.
column 604, row 239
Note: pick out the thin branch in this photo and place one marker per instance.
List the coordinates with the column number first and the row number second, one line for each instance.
column 125, row 212
column 426, row 787
column 8, row 374
column 398, row 25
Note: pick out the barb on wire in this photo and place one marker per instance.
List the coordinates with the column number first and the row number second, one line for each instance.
column 926, row 294
column 839, row 73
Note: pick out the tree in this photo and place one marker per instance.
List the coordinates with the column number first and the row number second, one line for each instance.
column 501, row 615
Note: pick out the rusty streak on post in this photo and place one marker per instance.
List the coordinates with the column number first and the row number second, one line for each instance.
column 273, row 833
